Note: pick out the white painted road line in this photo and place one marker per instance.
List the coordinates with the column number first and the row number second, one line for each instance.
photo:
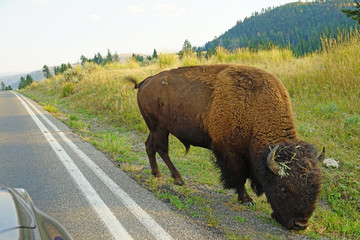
column 111, row 222
column 153, row 227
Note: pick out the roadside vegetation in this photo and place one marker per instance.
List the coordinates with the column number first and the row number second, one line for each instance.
column 101, row 107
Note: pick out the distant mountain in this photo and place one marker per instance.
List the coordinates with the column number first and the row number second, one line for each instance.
column 7, row 74
column 14, row 80
column 300, row 25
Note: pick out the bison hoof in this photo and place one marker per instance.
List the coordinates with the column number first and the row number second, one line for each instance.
column 179, row 182
column 157, row 174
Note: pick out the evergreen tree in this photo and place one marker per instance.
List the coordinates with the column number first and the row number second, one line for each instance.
column 57, row 70
column 187, row 46
column 198, row 52
column 22, row 83
column 29, row 80
column 46, row 72
column 109, row 57
column 116, row 57
column 63, row 68
column 186, row 49
column 2, row 86
column 83, row 60
column 137, row 57
column 154, row 55
column 353, row 14
column 25, row 82
column 297, row 26
column 98, row 59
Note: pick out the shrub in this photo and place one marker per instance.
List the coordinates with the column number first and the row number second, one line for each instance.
column 67, row 90
column 167, row 60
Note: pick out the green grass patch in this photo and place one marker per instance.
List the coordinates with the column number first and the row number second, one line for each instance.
column 240, row 219
column 76, row 123
column 51, row 109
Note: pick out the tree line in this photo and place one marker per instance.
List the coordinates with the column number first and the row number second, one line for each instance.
column 5, row 88
column 97, row 59
column 299, row 26
column 24, row 82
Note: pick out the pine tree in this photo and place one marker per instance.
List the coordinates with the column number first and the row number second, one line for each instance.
column 155, row 55
column 353, row 14
column 198, row 52
column 116, row 57
column 56, row 70
column 46, row 71
column 109, row 57
column 22, row 83
column 187, row 46
column 63, row 67
column 186, row 49
column 29, row 80
column 2, row 86
column 83, row 60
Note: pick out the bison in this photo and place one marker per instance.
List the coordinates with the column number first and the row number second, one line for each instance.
column 243, row 115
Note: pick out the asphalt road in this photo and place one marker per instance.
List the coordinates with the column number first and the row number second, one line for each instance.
column 76, row 184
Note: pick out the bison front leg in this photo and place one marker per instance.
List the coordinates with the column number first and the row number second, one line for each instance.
column 243, row 196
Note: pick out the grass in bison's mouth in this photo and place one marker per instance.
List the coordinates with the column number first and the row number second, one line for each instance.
column 325, row 93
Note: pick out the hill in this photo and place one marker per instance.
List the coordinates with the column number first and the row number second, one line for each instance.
column 14, row 80
column 300, row 25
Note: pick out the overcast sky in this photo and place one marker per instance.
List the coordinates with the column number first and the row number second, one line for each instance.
column 50, row 32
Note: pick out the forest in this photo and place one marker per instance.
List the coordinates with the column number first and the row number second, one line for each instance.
column 299, row 26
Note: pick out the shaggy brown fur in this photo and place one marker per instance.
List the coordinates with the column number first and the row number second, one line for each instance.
column 239, row 112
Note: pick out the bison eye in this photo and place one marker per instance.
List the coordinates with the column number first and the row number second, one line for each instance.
column 284, row 189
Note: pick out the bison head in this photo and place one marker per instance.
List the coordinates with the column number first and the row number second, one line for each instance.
column 292, row 181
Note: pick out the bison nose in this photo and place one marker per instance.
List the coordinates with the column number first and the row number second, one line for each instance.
column 300, row 225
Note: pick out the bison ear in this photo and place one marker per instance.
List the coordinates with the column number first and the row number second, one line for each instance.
column 322, row 156
column 272, row 164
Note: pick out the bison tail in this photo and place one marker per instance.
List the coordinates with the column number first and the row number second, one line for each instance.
column 187, row 147
column 131, row 79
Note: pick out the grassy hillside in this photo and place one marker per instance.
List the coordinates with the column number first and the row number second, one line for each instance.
column 14, row 80
column 325, row 92
column 298, row 25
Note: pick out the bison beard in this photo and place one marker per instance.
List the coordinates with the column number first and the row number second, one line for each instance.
column 243, row 114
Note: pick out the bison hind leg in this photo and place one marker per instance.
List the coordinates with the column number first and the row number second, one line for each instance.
column 151, row 152
column 158, row 142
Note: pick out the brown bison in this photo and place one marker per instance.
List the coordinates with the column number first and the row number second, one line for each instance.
column 243, row 114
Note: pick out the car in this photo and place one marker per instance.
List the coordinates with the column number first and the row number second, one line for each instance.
column 20, row 219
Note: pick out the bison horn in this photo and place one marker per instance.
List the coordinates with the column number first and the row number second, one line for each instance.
column 322, row 156
column 272, row 164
